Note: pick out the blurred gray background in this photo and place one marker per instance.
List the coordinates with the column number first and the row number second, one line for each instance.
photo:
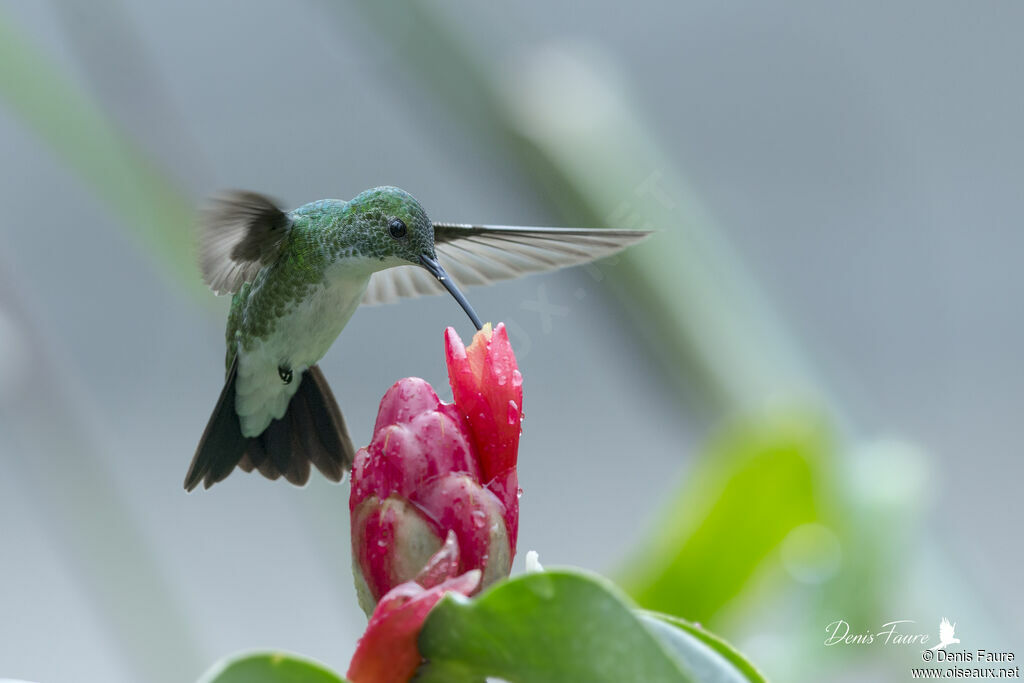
column 863, row 159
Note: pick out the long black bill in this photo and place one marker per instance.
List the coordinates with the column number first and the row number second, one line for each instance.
column 437, row 271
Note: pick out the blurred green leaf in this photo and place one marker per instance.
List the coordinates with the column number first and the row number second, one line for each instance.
column 754, row 485
column 565, row 625
column 149, row 203
column 269, row 667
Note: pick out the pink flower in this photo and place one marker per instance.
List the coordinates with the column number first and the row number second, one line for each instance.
column 387, row 652
column 435, row 467
column 488, row 389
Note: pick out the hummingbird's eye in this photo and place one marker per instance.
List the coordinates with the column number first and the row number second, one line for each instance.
column 397, row 228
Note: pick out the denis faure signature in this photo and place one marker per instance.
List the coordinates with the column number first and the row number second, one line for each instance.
column 891, row 633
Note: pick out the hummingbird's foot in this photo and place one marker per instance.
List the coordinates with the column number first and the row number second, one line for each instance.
column 285, row 373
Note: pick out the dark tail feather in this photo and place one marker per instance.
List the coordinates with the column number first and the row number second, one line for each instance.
column 325, row 436
column 222, row 445
column 311, row 431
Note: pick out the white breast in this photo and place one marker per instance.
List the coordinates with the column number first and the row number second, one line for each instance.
column 300, row 339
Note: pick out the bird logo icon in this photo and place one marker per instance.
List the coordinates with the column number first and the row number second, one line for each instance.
column 945, row 635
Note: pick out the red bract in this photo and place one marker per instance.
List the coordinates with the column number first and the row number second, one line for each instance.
column 435, row 467
column 488, row 389
column 387, row 652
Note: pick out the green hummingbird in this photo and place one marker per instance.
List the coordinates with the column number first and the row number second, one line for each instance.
column 297, row 277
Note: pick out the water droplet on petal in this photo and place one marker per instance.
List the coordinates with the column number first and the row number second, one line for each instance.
column 513, row 412
column 479, row 519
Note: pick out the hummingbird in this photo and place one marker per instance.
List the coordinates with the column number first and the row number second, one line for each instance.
column 296, row 277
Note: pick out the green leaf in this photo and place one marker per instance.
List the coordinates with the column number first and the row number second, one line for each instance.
column 700, row 648
column 565, row 625
column 754, row 485
column 269, row 667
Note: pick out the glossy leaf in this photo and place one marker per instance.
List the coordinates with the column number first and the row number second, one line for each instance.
column 269, row 667
column 566, row 625
column 702, row 650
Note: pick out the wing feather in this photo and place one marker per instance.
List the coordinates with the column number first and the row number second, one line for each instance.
column 415, row 281
column 240, row 233
column 482, row 254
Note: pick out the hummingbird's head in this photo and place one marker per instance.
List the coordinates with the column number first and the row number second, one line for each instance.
column 395, row 229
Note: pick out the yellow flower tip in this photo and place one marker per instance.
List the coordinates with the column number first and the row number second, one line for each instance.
column 483, row 335
column 477, row 351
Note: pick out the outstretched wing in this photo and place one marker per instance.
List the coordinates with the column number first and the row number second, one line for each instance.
column 482, row 254
column 946, row 630
column 240, row 233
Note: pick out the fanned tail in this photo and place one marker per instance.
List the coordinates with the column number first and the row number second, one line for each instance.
column 311, row 431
